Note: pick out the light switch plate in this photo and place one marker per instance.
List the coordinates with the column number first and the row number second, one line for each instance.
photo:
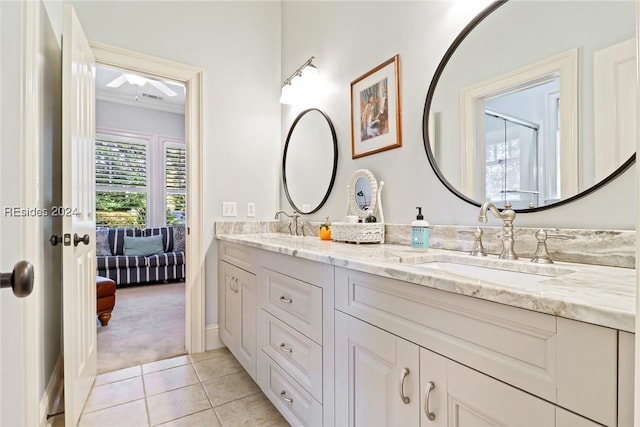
column 251, row 209
column 229, row 209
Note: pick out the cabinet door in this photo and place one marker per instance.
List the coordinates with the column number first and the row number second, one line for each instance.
column 247, row 341
column 477, row 400
column 237, row 313
column 228, row 305
column 377, row 376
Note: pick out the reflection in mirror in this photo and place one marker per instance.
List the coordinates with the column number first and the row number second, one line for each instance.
column 531, row 103
column 309, row 161
column 364, row 195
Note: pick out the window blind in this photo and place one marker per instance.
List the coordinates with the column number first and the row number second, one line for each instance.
column 175, row 169
column 121, row 164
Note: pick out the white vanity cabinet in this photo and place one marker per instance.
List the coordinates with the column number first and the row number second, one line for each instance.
column 491, row 364
column 384, row 380
column 237, row 305
column 295, row 339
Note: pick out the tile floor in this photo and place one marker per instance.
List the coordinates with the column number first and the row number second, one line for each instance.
column 204, row 389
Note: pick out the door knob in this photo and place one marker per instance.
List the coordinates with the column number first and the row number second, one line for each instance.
column 20, row 279
column 77, row 239
column 54, row 240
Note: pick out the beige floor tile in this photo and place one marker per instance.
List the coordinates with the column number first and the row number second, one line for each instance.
column 219, row 366
column 132, row 414
column 255, row 411
column 169, row 379
column 196, row 357
column 201, row 419
column 177, row 404
column 121, row 374
column 165, row 364
column 113, row 394
column 230, row 387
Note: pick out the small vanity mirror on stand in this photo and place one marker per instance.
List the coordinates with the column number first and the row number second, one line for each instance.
column 364, row 222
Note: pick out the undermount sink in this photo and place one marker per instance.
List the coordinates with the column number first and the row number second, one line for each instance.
column 493, row 269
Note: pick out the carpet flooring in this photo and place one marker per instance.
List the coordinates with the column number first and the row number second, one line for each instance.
column 147, row 324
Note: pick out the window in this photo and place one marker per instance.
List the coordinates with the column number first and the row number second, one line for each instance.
column 140, row 180
column 175, row 167
column 121, row 181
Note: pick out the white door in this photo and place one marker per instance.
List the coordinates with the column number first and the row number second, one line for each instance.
column 615, row 106
column 377, row 376
column 78, row 192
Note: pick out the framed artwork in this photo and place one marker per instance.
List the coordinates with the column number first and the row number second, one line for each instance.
column 375, row 110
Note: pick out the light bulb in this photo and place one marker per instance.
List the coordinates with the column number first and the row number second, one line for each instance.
column 287, row 95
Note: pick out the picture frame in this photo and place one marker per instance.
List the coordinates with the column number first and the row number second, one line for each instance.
column 375, row 110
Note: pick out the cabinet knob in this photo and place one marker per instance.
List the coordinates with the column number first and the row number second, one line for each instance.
column 286, row 300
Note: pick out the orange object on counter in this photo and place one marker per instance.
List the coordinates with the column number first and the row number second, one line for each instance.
column 324, row 232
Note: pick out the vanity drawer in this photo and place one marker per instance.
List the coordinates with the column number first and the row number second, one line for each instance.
column 297, row 303
column 297, row 406
column 238, row 255
column 295, row 353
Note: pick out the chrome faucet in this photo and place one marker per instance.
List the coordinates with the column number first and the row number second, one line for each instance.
column 507, row 216
column 294, row 221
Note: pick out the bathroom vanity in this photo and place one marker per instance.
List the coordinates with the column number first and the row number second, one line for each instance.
column 343, row 334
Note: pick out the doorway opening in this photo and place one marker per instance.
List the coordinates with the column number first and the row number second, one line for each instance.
column 174, row 168
column 141, row 186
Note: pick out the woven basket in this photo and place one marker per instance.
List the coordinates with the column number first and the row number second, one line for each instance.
column 365, row 232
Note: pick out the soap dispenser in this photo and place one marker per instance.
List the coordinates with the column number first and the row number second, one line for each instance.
column 420, row 232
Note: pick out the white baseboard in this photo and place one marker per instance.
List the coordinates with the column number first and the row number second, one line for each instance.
column 212, row 338
column 51, row 401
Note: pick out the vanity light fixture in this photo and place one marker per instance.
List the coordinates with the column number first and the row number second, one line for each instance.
column 299, row 82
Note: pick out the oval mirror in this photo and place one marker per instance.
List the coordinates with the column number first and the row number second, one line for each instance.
column 309, row 161
column 363, row 193
column 533, row 103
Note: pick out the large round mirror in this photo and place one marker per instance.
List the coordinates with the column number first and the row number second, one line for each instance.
column 534, row 102
column 309, row 161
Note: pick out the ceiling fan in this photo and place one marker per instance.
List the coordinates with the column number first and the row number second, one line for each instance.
column 140, row 81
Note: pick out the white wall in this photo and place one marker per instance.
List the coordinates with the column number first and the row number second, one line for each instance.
column 112, row 115
column 349, row 39
column 237, row 44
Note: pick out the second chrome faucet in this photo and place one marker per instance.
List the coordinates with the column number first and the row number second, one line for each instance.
column 507, row 216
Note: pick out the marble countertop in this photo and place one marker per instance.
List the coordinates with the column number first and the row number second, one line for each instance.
column 595, row 294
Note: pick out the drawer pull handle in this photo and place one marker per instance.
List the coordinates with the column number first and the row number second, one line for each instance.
column 233, row 284
column 403, row 375
column 286, row 300
column 283, row 396
column 427, row 393
column 283, row 347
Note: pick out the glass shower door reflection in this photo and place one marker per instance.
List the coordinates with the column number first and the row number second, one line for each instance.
column 511, row 161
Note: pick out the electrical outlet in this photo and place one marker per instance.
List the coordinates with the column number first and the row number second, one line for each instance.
column 251, row 209
column 229, row 209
